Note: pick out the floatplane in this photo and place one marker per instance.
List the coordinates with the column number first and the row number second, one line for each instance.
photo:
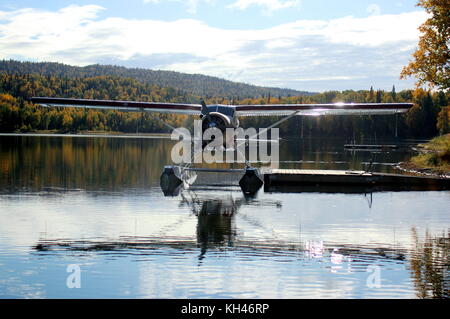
column 223, row 118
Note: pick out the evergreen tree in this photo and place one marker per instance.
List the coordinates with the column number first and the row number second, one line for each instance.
column 394, row 94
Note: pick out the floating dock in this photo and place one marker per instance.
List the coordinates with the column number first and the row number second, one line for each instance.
column 335, row 179
column 174, row 178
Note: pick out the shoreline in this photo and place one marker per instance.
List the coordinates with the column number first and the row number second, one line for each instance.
column 432, row 158
column 408, row 167
column 91, row 134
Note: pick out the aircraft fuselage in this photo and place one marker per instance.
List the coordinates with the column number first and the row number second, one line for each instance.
column 220, row 117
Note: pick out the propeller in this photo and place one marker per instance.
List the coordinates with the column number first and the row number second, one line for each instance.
column 205, row 111
column 210, row 121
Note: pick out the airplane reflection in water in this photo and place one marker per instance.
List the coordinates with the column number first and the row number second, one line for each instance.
column 216, row 219
column 215, row 227
column 429, row 275
column 217, row 230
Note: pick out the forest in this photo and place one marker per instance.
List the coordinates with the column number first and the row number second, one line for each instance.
column 429, row 117
column 197, row 84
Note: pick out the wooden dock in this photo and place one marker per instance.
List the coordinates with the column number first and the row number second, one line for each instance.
column 306, row 180
column 285, row 178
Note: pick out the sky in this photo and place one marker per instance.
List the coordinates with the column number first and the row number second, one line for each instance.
column 310, row 45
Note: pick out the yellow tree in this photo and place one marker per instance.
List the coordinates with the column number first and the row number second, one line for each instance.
column 431, row 60
column 66, row 122
column 443, row 121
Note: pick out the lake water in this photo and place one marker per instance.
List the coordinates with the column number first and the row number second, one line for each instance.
column 89, row 212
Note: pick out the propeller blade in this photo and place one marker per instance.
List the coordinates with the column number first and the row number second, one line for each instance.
column 205, row 110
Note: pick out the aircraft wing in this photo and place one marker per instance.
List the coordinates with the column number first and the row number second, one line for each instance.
column 130, row 106
column 322, row 109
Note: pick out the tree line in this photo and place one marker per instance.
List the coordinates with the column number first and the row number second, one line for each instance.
column 198, row 84
column 18, row 114
column 429, row 116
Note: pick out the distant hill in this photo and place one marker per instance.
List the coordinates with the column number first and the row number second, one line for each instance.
column 196, row 84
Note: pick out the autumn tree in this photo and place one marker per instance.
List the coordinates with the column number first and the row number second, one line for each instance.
column 443, row 121
column 431, row 60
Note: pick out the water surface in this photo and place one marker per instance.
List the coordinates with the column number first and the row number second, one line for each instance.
column 96, row 202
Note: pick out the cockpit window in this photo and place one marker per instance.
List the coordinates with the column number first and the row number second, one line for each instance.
column 227, row 110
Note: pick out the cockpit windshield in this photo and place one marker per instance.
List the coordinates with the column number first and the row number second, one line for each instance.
column 227, row 110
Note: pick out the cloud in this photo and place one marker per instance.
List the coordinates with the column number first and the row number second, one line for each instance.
column 192, row 5
column 152, row 61
column 306, row 54
column 374, row 9
column 268, row 4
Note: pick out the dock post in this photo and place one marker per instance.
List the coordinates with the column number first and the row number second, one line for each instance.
column 396, row 125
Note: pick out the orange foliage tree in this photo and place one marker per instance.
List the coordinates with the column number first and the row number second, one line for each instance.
column 431, row 60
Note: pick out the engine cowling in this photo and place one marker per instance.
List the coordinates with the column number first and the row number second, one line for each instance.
column 216, row 120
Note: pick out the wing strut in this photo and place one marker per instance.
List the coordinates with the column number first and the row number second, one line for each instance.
column 271, row 126
column 162, row 121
